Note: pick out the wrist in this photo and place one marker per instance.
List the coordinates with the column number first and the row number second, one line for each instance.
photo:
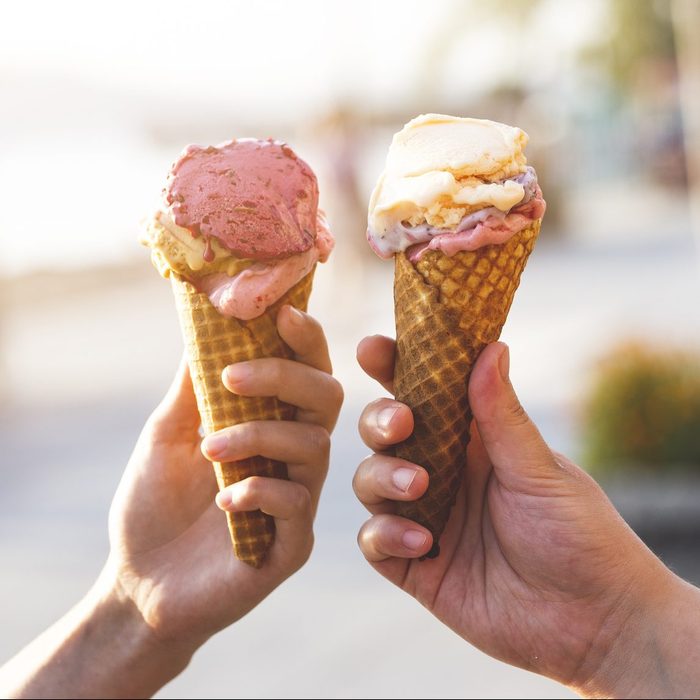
column 113, row 621
column 101, row 648
column 651, row 652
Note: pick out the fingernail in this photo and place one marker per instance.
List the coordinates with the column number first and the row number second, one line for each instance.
column 403, row 478
column 504, row 363
column 384, row 418
column 215, row 445
column 237, row 374
column 295, row 316
column 414, row 539
column 223, row 500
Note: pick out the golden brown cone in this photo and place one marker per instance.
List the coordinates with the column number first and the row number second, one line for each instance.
column 214, row 341
column 447, row 310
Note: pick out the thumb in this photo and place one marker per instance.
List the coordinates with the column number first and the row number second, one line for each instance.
column 515, row 447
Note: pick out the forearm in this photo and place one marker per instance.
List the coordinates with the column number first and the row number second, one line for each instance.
column 657, row 655
column 101, row 648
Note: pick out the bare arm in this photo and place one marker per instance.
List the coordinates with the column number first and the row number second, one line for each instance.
column 171, row 580
column 657, row 655
column 101, row 648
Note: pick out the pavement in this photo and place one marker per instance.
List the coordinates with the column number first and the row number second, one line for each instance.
column 84, row 361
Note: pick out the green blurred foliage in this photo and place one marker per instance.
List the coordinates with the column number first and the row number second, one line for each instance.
column 643, row 410
column 637, row 32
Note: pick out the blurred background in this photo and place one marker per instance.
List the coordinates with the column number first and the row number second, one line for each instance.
column 96, row 103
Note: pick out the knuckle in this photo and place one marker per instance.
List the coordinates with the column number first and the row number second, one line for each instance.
column 300, row 499
column 156, row 424
column 360, row 476
column 310, row 542
column 368, row 474
column 306, row 549
column 320, row 440
column 313, row 329
column 301, row 553
column 362, row 536
column 516, row 414
column 337, row 393
column 251, row 488
column 365, row 537
column 356, row 481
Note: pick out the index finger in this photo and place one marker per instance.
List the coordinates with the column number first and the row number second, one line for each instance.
column 376, row 355
column 305, row 337
column 384, row 423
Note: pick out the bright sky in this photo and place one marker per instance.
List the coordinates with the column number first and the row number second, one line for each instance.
column 82, row 82
column 270, row 53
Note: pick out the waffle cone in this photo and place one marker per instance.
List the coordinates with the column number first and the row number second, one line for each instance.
column 447, row 310
column 214, row 341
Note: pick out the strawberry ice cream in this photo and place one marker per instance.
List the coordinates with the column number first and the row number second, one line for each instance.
column 240, row 221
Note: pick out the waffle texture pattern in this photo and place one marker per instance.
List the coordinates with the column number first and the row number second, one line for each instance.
column 447, row 309
column 214, row 341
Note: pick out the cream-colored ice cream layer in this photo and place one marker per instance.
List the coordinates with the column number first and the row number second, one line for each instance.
column 441, row 168
column 174, row 248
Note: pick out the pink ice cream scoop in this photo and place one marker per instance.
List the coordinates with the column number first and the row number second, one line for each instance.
column 259, row 200
column 249, row 293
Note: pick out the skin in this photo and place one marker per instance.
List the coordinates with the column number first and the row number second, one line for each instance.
column 536, row 567
column 171, row 580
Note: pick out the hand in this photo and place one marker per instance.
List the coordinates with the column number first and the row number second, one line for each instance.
column 171, row 580
column 536, row 566
column 171, row 551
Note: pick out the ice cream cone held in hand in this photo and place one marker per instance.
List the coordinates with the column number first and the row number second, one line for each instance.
column 239, row 234
column 459, row 210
